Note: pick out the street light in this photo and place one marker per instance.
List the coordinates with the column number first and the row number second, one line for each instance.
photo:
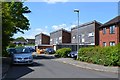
column 77, row 11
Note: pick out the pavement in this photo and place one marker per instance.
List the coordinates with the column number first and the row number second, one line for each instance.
column 88, row 65
column 6, row 65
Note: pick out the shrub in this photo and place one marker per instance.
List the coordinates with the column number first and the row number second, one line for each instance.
column 63, row 52
column 12, row 45
column 5, row 54
column 108, row 56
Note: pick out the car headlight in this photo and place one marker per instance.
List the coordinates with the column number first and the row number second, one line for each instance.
column 75, row 54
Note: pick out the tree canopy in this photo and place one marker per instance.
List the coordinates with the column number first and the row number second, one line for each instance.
column 13, row 21
column 20, row 38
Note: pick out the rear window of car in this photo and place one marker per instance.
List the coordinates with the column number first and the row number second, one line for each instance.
column 49, row 49
column 23, row 50
column 12, row 50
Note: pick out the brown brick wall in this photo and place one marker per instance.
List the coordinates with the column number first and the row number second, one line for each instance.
column 66, row 37
column 45, row 39
column 118, row 33
column 97, row 33
column 109, row 37
column 60, row 36
column 92, row 27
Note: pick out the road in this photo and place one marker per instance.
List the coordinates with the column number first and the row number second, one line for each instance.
column 46, row 67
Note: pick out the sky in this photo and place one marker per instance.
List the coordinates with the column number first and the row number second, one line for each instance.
column 47, row 17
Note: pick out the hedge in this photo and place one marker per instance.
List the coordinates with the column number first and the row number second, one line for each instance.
column 107, row 56
column 63, row 52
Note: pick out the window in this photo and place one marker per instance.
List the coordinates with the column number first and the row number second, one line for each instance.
column 56, row 40
column 74, row 37
column 83, row 40
column 82, row 35
column 60, row 38
column 104, row 30
column 112, row 43
column 40, row 40
column 79, row 38
column 50, row 39
column 104, row 43
column 91, row 34
column 112, row 29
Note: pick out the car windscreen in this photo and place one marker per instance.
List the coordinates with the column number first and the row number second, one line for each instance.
column 23, row 50
column 11, row 50
column 49, row 49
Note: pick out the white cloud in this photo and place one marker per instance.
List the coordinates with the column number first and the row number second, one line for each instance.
column 40, row 30
column 46, row 27
column 64, row 26
column 72, row 26
column 54, row 1
column 32, row 32
column 27, row 34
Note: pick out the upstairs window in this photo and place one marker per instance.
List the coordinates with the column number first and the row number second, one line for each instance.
column 50, row 39
column 83, row 40
column 60, row 38
column 112, row 29
column 104, row 30
column 74, row 37
column 91, row 34
column 82, row 35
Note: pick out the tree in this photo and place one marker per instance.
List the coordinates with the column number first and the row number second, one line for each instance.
column 20, row 38
column 13, row 21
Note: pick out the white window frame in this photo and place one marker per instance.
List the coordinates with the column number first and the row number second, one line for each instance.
column 50, row 39
column 112, row 29
column 60, row 38
column 83, row 40
column 91, row 34
column 104, row 30
column 74, row 37
column 112, row 43
column 104, row 44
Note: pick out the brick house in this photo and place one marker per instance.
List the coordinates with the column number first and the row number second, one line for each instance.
column 110, row 32
column 30, row 41
column 60, row 36
column 88, row 33
column 17, row 42
column 42, row 39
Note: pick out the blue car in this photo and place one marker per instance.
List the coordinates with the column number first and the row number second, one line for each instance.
column 73, row 54
column 49, row 51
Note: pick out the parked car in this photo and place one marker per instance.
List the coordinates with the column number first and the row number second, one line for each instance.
column 73, row 54
column 32, row 49
column 11, row 51
column 40, row 51
column 49, row 51
column 22, row 56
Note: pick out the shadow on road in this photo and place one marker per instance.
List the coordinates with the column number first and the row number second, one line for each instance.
column 35, row 64
column 18, row 71
column 43, row 57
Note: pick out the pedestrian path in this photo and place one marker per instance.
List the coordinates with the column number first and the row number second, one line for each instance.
column 88, row 65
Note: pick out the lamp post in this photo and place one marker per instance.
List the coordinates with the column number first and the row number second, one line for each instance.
column 77, row 11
